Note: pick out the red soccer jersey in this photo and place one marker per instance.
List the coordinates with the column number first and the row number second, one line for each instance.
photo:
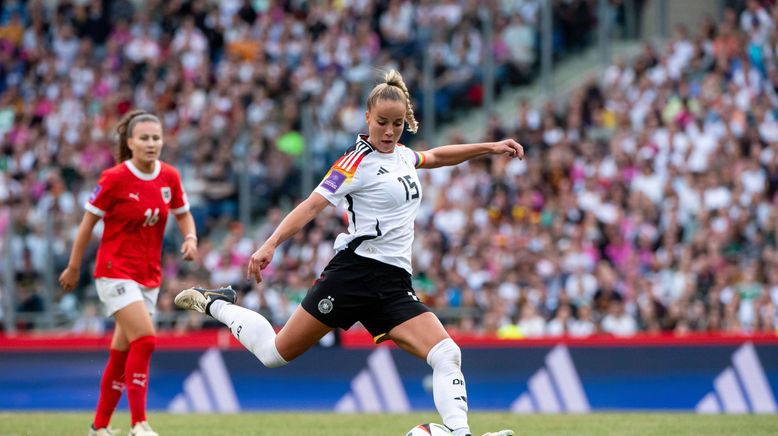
column 134, row 207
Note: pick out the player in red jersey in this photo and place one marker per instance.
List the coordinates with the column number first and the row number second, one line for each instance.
column 133, row 199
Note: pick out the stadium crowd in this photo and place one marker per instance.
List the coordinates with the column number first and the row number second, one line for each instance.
column 227, row 78
column 647, row 202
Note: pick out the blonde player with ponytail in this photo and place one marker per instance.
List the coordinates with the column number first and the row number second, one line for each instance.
column 369, row 279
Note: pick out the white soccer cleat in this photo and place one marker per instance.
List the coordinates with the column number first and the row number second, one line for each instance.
column 191, row 299
column 198, row 299
column 500, row 433
column 142, row 429
column 105, row 431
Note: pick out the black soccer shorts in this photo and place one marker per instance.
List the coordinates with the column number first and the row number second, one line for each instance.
column 354, row 288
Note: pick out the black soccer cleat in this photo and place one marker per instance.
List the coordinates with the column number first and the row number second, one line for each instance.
column 200, row 299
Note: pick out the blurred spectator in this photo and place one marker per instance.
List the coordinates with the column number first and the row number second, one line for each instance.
column 562, row 323
column 89, row 322
column 618, row 322
column 519, row 38
column 583, row 326
column 531, row 324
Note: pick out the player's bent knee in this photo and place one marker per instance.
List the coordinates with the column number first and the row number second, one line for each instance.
column 445, row 352
column 270, row 357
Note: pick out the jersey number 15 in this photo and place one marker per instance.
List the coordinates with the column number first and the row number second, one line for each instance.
column 409, row 185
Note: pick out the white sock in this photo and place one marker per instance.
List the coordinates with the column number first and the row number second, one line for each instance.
column 448, row 385
column 462, row 432
column 251, row 329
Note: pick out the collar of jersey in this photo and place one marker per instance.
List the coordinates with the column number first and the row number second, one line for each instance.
column 140, row 174
column 362, row 139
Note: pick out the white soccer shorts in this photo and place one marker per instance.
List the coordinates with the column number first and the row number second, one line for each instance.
column 117, row 294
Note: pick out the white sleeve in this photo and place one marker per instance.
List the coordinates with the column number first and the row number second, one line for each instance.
column 338, row 183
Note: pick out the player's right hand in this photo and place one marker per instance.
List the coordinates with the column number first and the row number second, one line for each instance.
column 259, row 261
column 69, row 278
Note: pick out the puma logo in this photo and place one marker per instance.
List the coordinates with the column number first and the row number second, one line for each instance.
column 139, row 382
column 135, row 196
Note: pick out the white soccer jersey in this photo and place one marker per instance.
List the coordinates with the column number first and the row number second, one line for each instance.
column 383, row 193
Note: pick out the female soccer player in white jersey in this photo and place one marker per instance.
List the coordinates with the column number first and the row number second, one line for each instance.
column 133, row 199
column 369, row 279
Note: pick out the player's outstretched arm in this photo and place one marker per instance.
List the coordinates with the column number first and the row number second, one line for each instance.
column 186, row 225
column 290, row 225
column 69, row 276
column 448, row 155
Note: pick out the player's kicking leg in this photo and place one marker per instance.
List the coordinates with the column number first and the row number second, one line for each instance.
column 248, row 327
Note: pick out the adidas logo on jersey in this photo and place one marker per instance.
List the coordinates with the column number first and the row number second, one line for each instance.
column 554, row 388
column 382, row 170
column 207, row 389
column 741, row 388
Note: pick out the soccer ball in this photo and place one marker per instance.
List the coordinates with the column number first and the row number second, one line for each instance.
column 429, row 429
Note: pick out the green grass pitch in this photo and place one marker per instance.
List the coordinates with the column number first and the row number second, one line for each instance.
column 328, row 424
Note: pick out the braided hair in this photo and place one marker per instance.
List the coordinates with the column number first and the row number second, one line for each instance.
column 393, row 88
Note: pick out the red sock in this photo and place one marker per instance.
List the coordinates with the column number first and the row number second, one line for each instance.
column 111, row 387
column 136, row 375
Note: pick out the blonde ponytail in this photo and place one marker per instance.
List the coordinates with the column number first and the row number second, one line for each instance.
column 393, row 88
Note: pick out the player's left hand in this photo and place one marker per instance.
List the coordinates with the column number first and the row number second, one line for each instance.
column 509, row 147
column 189, row 249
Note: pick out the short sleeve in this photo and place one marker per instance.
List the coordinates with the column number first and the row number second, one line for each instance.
column 416, row 157
column 179, row 203
column 340, row 181
column 100, row 200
